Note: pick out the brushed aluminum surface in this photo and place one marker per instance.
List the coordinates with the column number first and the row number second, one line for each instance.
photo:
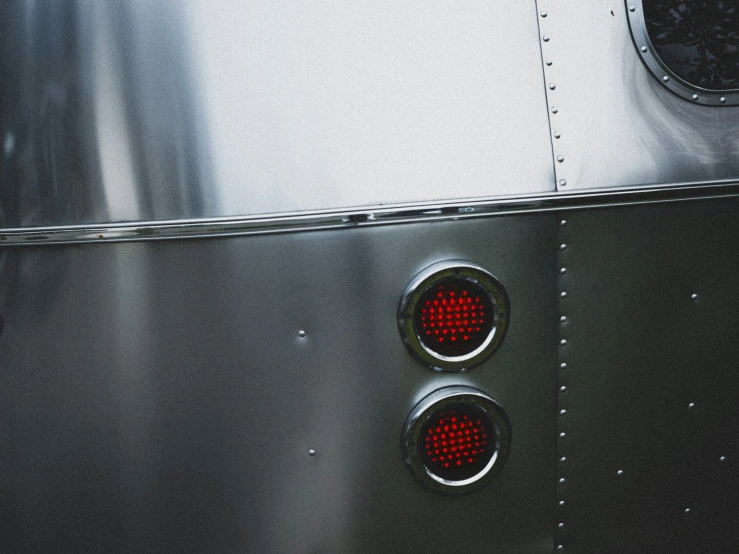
column 649, row 401
column 118, row 110
column 248, row 394
column 617, row 125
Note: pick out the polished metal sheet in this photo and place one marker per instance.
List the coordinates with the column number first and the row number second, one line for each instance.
column 118, row 110
column 651, row 393
column 617, row 125
column 159, row 397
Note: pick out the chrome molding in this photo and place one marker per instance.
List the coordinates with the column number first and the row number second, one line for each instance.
column 427, row 279
column 362, row 217
column 650, row 57
column 426, row 408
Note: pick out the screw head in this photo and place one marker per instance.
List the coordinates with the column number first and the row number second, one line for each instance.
column 691, row 406
column 687, row 510
column 563, row 222
column 545, row 38
column 562, row 481
column 723, row 99
column 554, row 109
column 561, row 502
column 301, row 333
column 552, row 86
column 562, row 435
column 563, row 412
column 560, row 159
column 563, row 319
column 560, row 548
column 644, row 49
column 311, row 452
column 562, row 183
column 557, row 134
column 543, row 14
column 563, row 459
column 563, row 365
column 563, row 271
column 722, row 459
column 620, row 472
column 560, row 525
column 695, row 97
column 563, row 246
column 632, row 8
column 694, row 296
column 549, row 62
column 563, row 388
column 665, row 78
column 563, row 295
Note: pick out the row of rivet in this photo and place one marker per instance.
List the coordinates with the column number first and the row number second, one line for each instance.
column 563, row 343
column 552, row 86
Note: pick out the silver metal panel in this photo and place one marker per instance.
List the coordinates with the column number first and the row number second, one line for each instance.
column 116, row 111
column 159, row 396
column 651, row 388
column 617, row 125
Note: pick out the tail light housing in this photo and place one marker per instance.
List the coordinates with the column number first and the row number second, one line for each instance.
column 456, row 439
column 453, row 315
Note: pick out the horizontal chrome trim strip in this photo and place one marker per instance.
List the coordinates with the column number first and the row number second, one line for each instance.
column 363, row 217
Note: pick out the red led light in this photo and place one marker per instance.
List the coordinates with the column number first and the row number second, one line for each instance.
column 458, row 442
column 454, row 317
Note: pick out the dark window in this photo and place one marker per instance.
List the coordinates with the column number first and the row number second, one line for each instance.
column 697, row 39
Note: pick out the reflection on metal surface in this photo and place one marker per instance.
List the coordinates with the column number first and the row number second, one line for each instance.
column 614, row 124
column 158, row 396
column 119, row 110
column 289, row 223
column 471, row 448
column 692, row 48
column 466, row 292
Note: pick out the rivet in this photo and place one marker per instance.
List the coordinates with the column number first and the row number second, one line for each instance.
column 563, row 319
column 552, row 86
column 620, row 472
column 563, row 459
column 560, row 159
column 563, row 271
column 563, row 246
column 545, row 38
column 691, row 406
column 560, row 548
column 563, row 388
column 560, row 525
column 311, row 452
column 562, row 435
column 563, row 222
column 694, row 296
column 562, row 481
column 563, row 365
column 563, row 294
column 644, row 49
column 301, row 333
column 665, row 78
column 554, row 109
column 543, row 14
column 562, row 183
column 695, row 97
column 563, row 342
column 561, row 502
column 549, row 62
column 557, row 134
column 723, row 99
column 687, row 510
column 563, row 412
column 722, row 459
column 632, row 8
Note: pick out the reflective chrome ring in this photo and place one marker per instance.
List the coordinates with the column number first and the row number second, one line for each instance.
column 434, row 275
column 430, row 407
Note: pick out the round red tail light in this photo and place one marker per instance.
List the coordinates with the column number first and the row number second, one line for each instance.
column 453, row 315
column 456, row 439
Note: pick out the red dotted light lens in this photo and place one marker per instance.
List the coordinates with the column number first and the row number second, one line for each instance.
column 458, row 442
column 454, row 317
